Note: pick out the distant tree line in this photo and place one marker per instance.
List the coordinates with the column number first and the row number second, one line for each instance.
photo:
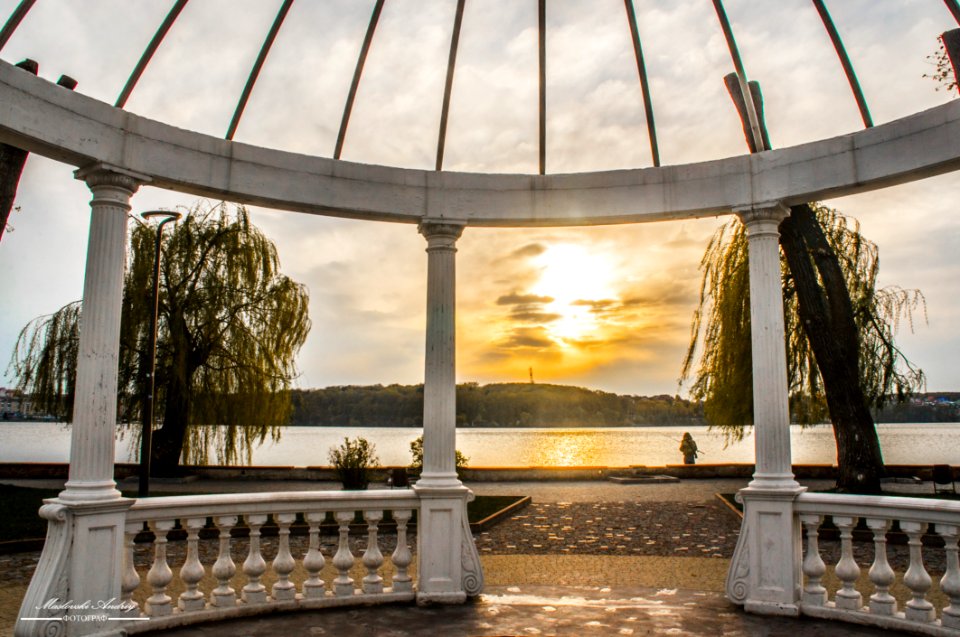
column 929, row 407
column 494, row 405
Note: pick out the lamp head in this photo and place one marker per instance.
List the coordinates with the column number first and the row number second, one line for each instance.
column 163, row 215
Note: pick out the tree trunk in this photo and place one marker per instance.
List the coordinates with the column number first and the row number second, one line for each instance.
column 827, row 316
column 12, row 160
column 168, row 440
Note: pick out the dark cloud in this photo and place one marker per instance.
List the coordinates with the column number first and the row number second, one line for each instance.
column 533, row 316
column 523, row 299
column 529, row 250
column 669, row 294
column 528, row 337
column 598, row 307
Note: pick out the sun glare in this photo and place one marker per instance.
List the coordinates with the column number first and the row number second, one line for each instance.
column 573, row 277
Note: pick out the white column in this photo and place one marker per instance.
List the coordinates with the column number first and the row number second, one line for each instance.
column 439, row 383
column 771, row 412
column 765, row 572
column 82, row 559
column 95, row 405
column 446, row 554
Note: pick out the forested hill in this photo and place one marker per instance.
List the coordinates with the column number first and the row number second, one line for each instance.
column 494, row 405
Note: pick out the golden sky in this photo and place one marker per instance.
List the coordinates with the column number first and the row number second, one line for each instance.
column 606, row 307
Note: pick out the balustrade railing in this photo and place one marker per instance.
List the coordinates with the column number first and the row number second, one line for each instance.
column 220, row 590
column 921, row 524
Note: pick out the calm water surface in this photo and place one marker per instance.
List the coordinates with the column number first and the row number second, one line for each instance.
column 503, row 447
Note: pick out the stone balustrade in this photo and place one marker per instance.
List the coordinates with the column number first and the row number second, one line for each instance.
column 218, row 516
column 923, row 522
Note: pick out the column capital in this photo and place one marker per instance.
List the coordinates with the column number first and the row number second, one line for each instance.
column 441, row 233
column 101, row 174
column 772, row 211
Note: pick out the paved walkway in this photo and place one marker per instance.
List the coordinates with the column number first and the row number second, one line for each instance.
column 539, row 610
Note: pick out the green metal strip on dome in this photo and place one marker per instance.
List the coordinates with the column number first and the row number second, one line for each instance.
column 741, row 74
column 844, row 62
column 257, row 66
column 644, row 84
column 542, row 30
column 358, row 71
column 149, row 51
column 448, row 86
column 14, row 21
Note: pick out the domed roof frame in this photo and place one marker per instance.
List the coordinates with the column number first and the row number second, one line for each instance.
column 49, row 120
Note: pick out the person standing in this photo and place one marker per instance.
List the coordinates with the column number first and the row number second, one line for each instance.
column 688, row 447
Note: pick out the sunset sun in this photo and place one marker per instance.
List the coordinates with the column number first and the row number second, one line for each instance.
column 573, row 276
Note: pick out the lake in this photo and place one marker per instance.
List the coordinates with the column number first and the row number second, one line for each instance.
column 922, row 444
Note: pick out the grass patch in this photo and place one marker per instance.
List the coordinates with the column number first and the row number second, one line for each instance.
column 20, row 520
column 486, row 505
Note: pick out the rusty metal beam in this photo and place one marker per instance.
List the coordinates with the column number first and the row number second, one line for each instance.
column 752, row 118
column 257, row 66
column 644, row 84
column 951, row 42
column 542, row 23
column 448, row 87
column 149, row 51
column 14, row 21
column 844, row 62
column 358, row 71
column 954, row 8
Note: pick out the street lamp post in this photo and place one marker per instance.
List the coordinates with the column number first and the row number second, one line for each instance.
column 146, row 437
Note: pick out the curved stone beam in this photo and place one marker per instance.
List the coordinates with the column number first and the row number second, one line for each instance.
column 52, row 121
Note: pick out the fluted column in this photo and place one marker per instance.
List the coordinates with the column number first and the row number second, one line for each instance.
column 771, row 412
column 95, row 405
column 442, row 545
column 765, row 572
column 439, row 383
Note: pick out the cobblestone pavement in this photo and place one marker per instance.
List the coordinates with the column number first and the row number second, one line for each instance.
column 539, row 610
column 674, row 529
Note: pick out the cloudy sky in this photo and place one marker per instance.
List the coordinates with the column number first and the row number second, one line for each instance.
column 605, row 307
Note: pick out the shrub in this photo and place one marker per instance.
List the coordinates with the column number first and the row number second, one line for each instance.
column 353, row 461
column 416, row 450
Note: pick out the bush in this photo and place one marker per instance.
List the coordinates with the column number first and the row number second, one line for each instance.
column 353, row 461
column 416, row 450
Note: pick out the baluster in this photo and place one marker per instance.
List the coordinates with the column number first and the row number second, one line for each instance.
column 223, row 596
column 814, row 593
column 916, row 578
column 159, row 575
column 372, row 557
column 192, row 571
column 343, row 560
column 283, row 563
column 313, row 562
column 950, row 583
column 254, row 566
column 402, row 583
column 847, row 571
column 131, row 579
column 882, row 576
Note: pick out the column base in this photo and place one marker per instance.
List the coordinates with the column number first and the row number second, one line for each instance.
column 76, row 491
column 81, row 562
column 448, row 564
column 443, row 481
column 765, row 572
column 774, row 482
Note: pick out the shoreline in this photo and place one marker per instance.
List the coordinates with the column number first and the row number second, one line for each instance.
column 705, row 471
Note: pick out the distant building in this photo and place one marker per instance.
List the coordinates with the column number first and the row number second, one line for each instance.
column 14, row 405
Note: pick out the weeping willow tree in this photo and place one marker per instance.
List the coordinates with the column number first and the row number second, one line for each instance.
column 842, row 358
column 230, row 326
